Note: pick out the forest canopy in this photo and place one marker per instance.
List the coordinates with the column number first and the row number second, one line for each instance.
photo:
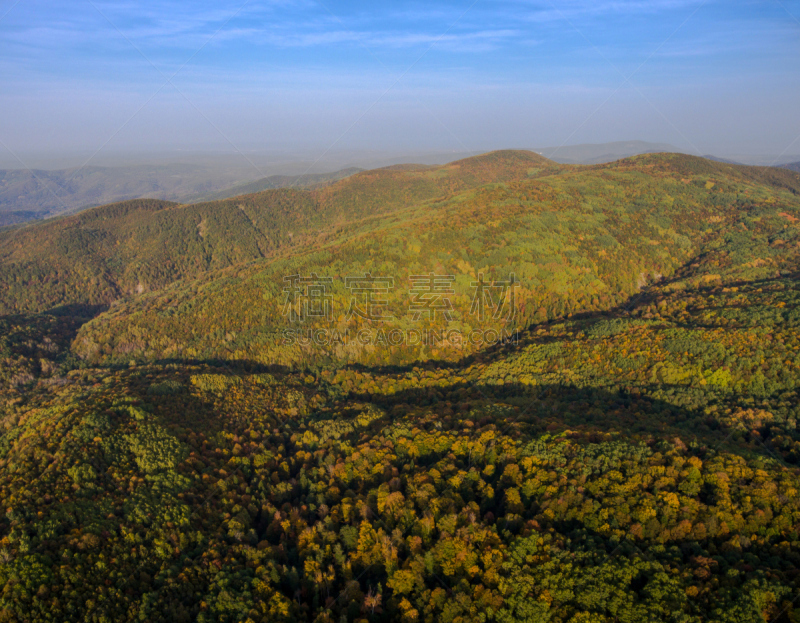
column 629, row 453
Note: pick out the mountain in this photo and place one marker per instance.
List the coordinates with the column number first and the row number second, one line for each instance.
column 102, row 254
column 35, row 194
column 20, row 216
column 60, row 191
column 792, row 166
column 718, row 159
column 766, row 160
column 598, row 153
column 308, row 180
column 604, row 429
column 576, row 241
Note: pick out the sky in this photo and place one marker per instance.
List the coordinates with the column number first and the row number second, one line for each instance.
column 103, row 76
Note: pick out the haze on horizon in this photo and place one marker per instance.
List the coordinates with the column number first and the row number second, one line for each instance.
column 315, row 78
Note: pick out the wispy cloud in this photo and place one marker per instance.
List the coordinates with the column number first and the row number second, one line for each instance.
column 256, row 25
column 296, row 56
column 473, row 41
column 583, row 7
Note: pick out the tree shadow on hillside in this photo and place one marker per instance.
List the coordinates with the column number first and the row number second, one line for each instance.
column 554, row 408
column 83, row 311
column 514, row 409
column 530, row 335
column 541, row 408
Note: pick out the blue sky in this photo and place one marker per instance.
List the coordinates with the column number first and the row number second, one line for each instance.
column 710, row 77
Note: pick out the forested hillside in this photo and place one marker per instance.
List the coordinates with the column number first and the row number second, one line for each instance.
column 103, row 254
column 624, row 448
column 583, row 240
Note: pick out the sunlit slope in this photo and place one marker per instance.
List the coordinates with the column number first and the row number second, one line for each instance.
column 105, row 253
column 583, row 240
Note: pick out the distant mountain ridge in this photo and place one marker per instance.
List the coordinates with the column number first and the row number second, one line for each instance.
column 599, row 153
column 33, row 194
column 66, row 190
column 718, row 159
column 27, row 195
column 307, row 180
